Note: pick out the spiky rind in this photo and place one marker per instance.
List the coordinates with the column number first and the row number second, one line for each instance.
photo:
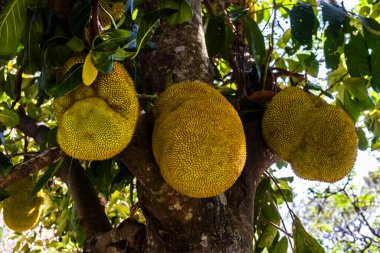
column 19, row 211
column 317, row 139
column 91, row 130
column 198, row 140
column 117, row 93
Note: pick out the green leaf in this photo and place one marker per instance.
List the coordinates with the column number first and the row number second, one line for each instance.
column 310, row 63
column 351, row 106
column 4, row 194
column 260, row 196
column 334, row 40
column 281, row 246
column 363, row 142
column 215, row 35
column 358, row 89
column 302, row 22
column 49, row 173
column 333, row 14
column 255, row 40
column 270, row 213
column 12, row 25
column 9, row 118
column 304, row 242
column 75, row 44
column 70, row 80
column 357, row 56
column 145, row 33
column 373, row 42
column 184, row 13
column 31, row 41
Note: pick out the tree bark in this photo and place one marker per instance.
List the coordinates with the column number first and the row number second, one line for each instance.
column 176, row 223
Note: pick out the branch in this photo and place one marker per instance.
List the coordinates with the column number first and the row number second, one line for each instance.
column 37, row 130
column 90, row 212
column 129, row 236
column 31, row 166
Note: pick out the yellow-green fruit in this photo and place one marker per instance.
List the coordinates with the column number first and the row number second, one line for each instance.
column 118, row 91
column 20, row 212
column 115, row 9
column 317, row 139
column 91, row 130
column 97, row 122
column 198, row 143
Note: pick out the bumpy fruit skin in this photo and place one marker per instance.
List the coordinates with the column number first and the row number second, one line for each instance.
column 21, row 213
column 115, row 9
column 198, row 140
column 319, row 140
column 97, row 122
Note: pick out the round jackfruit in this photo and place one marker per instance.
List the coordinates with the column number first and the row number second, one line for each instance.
column 97, row 122
column 318, row 140
column 21, row 213
column 199, row 142
column 115, row 9
column 92, row 130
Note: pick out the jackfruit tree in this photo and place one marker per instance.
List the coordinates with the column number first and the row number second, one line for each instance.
column 168, row 126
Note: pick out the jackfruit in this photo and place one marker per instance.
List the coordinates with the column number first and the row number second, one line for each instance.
column 97, row 122
column 198, row 140
column 115, row 9
column 19, row 211
column 318, row 139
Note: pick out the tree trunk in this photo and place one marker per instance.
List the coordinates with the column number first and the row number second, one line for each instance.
column 176, row 223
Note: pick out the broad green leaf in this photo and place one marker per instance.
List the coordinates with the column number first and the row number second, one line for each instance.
column 357, row 56
column 373, row 42
column 358, row 89
column 184, row 13
column 334, row 40
column 89, row 71
column 12, row 25
column 302, row 22
column 281, row 246
column 103, row 61
column 270, row 213
column 309, row 63
column 363, row 142
column 145, row 33
column 333, row 14
column 9, row 118
column 31, row 41
column 49, row 173
column 255, row 40
column 75, row 44
column 351, row 106
column 71, row 80
column 303, row 241
column 260, row 196
column 215, row 35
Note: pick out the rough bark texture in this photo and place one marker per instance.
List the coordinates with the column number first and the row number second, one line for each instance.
column 176, row 223
column 181, row 53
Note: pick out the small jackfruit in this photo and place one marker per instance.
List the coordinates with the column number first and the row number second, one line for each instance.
column 19, row 211
column 115, row 9
column 97, row 122
column 317, row 139
column 198, row 140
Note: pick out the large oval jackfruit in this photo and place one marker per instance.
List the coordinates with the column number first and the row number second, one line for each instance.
column 97, row 122
column 198, row 140
column 21, row 213
column 317, row 139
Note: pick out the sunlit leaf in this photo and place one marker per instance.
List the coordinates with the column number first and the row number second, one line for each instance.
column 9, row 118
column 12, row 25
column 89, row 71
column 255, row 40
column 281, row 246
column 303, row 241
